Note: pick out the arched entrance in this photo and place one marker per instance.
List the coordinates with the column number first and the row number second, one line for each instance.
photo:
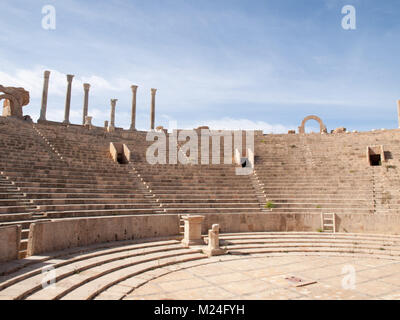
column 322, row 127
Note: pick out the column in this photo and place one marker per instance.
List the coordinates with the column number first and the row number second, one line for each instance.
column 44, row 95
column 86, row 87
column 398, row 111
column 68, row 98
column 133, row 115
column 153, row 108
column 112, row 120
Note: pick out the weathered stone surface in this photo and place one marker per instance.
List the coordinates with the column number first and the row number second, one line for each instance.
column 322, row 127
column 153, row 108
column 192, row 234
column 339, row 130
column 17, row 98
column 70, row 233
column 213, row 248
column 9, row 243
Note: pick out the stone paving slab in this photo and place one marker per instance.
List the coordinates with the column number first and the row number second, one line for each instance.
column 265, row 279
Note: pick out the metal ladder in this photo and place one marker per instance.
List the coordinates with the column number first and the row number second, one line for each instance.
column 328, row 222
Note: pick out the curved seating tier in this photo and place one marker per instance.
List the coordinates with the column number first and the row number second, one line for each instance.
column 114, row 270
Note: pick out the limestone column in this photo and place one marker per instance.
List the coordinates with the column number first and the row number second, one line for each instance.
column 68, row 98
column 44, row 95
column 133, row 115
column 86, row 87
column 398, row 111
column 112, row 120
column 153, row 108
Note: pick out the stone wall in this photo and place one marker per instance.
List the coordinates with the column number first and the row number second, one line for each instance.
column 9, row 243
column 275, row 222
column 69, row 233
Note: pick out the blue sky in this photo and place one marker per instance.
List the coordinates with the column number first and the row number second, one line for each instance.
column 229, row 64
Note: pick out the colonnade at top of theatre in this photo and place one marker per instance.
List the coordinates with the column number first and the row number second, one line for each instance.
column 86, row 87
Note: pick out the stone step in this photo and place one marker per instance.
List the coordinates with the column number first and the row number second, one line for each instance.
column 89, row 201
column 16, row 209
column 15, row 216
column 210, row 206
column 195, row 210
column 81, row 207
column 319, row 205
column 99, row 212
column 137, row 195
column 100, row 268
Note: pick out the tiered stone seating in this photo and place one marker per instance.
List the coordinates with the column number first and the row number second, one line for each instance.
column 114, row 270
column 84, row 181
column 86, row 273
column 195, row 188
column 361, row 245
column 327, row 173
column 91, row 184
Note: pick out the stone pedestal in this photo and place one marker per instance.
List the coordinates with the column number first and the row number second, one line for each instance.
column 88, row 121
column 68, row 99
column 192, row 235
column 213, row 248
column 44, row 95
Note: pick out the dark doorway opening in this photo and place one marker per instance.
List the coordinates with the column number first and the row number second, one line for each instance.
column 375, row 159
column 120, row 158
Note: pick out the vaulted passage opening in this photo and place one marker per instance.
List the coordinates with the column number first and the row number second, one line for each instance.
column 375, row 159
column 375, row 155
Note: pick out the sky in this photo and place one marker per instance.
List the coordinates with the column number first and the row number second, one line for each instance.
column 229, row 64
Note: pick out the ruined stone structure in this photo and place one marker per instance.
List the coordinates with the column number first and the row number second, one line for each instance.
column 133, row 114
column 68, row 98
column 134, row 221
column 14, row 100
column 44, row 95
column 153, row 108
column 322, row 127
column 86, row 87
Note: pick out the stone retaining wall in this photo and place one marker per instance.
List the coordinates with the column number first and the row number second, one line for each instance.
column 10, row 238
column 69, row 233
column 257, row 222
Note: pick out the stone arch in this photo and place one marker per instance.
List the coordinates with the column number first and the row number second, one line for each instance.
column 322, row 127
column 17, row 97
column 7, row 111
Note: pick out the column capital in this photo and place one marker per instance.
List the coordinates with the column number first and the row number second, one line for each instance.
column 46, row 73
column 86, row 86
column 134, row 88
column 70, row 77
column 113, row 101
column 153, row 91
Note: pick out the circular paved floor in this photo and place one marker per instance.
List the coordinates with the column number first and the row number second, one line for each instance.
column 263, row 277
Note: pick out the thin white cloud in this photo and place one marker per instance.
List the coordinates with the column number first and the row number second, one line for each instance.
column 239, row 124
